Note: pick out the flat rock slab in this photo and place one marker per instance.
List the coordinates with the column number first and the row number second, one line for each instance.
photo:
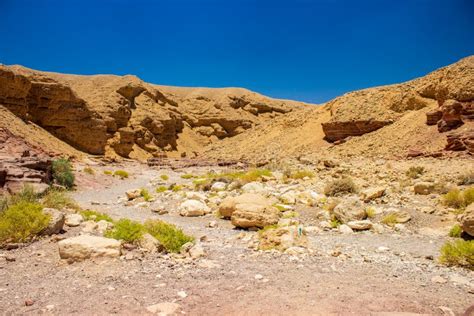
column 86, row 247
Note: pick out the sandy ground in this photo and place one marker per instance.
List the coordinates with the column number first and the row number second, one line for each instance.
column 342, row 275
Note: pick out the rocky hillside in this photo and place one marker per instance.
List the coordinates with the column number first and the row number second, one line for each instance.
column 124, row 116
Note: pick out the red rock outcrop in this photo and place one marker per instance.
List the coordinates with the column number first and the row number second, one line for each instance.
column 336, row 131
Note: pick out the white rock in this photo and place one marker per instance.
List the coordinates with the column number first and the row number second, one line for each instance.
column 192, row 195
column 258, row 276
column 164, row 309
column 182, row 294
column 345, row 229
column 190, row 208
column 73, row 220
column 218, row 186
column 288, row 197
column 360, row 225
column 253, row 187
column 382, row 249
column 196, row 251
column 85, row 247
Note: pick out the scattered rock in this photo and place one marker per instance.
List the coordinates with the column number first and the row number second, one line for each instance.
column 197, row 251
column 467, row 220
column 438, row 279
column 85, row 247
column 253, row 187
column 133, row 194
column 424, row 188
column 345, row 229
column 191, row 208
column 400, row 216
column 56, row 221
column 150, row 243
column 373, row 193
column 282, row 238
column 244, row 202
column 73, row 220
column 218, row 186
column 164, row 309
column 351, row 209
column 360, row 225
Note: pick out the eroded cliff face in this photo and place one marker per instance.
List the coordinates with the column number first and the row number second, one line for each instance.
column 122, row 115
column 364, row 111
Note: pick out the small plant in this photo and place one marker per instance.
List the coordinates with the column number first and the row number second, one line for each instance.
column 415, row 172
column 457, row 199
column 390, row 219
column 455, row 231
column 145, row 194
column 161, row 189
column 302, row 174
column 267, row 228
column 200, row 184
column 21, row 222
column 370, row 211
column 164, row 177
column 59, row 200
column 62, row 172
column 187, row 176
column 127, row 230
column 335, row 223
column 280, row 207
column 290, row 214
column 27, row 194
column 89, row 170
column 108, row 172
column 3, row 203
column 255, row 174
column 89, row 215
column 466, row 178
column 458, row 253
column 176, row 188
column 340, row 186
column 121, row 173
column 468, row 196
column 171, row 237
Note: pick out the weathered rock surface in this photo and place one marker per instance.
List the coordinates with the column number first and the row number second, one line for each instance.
column 56, row 221
column 191, row 208
column 282, row 238
column 350, row 209
column 423, row 188
column 467, row 221
column 86, row 247
column 255, row 216
column 246, row 201
column 360, row 225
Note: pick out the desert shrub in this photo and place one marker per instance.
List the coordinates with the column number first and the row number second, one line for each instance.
column 187, row 176
column 171, row 237
column 390, row 219
column 161, row 189
column 335, row 223
column 164, row 177
column 457, row 199
column 22, row 221
column 415, row 172
column 290, row 214
column 255, row 174
column 62, row 172
column 455, row 231
column 370, row 211
column 200, row 184
column 176, row 188
column 340, row 186
column 466, row 178
column 89, row 215
column 458, row 253
column 108, row 172
column 127, row 230
column 59, row 200
column 27, row 194
column 3, row 203
column 89, row 170
column 121, row 173
column 301, row 174
column 145, row 194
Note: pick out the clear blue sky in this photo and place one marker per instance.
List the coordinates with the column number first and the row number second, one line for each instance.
column 295, row 49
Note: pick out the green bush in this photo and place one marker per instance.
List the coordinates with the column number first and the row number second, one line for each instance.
column 455, row 231
column 59, row 200
column 340, row 186
column 161, row 189
column 248, row 176
column 335, row 223
column 458, row 253
column 145, row 195
column 468, row 196
column 415, row 172
column 457, row 199
column 127, row 230
column 62, row 172
column 171, row 237
column 108, row 172
column 95, row 216
column 21, row 222
column 121, row 173
column 176, row 188
column 164, row 177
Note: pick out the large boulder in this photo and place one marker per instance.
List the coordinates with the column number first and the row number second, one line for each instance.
column 467, row 221
column 351, row 209
column 255, row 216
column 73, row 220
column 246, row 201
column 85, row 247
column 191, row 208
column 253, row 187
column 56, row 221
column 373, row 193
column 424, row 188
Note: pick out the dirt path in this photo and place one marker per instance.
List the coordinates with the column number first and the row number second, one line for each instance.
column 343, row 274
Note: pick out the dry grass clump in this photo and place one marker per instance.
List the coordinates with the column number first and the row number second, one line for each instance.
column 370, row 211
column 108, row 172
column 301, row 174
column 164, row 177
column 187, row 176
column 415, row 172
column 458, row 253
column 161, row 189
column 89, row 170
column 145, row 194
column 59, row 200
column 340, row 186
column 90, row 215
column 122, row 174
column 459, row 199
column 466, row 178
column 456, row 231
column 244, row 176
column 390, row 219
column 171, row 237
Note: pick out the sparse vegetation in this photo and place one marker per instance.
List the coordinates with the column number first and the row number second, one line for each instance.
column 335, row 223
column 89, row 170
column 415, row 172
column 22, row 222
column 459, row 199
column 340, row 186
column 89, row 215
column 279, row 207
column 164, row 177
column 244, row 176
column 59, row 200
column 127, row 230
column 171, row 237
column 62, row 172
column 290, row 214
column 161, row 189
column 187, row 176
column 455, row 231
column 390, row 219
column 145, row 194
column 466, row 178
column 458, row 253
column 108, row 172
column 370, row 211
column 300, row 174
column 267, row 228
column 176, row 188
column 27, row 194
column 121, row 173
